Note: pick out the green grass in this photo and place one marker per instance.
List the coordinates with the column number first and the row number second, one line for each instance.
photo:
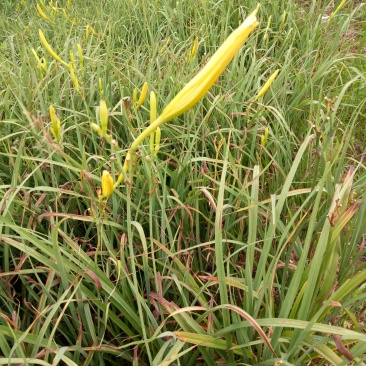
column 220, row 250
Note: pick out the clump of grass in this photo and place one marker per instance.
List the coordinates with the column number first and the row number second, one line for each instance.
column 237, row 241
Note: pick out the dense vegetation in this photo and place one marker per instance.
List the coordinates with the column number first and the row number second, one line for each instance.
column 240, row 242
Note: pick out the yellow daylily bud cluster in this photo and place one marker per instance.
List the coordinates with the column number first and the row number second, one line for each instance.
column 266, row 85
column 199, row 85
column 55, row 124
column 143, row 95
column 107, row 185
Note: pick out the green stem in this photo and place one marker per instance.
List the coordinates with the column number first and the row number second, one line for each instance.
column 141, row 137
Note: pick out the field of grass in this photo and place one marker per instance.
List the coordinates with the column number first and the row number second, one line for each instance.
column 240, row 240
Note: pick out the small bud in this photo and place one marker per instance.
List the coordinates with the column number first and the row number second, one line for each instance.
column 283, row 19
column 267, row 85
column 107, row 184
column 81, row 57
column 194, row 49
column 103, row 116
column 56, row 124
column 264, row 137
column 101, row 91
column 74, row 78
column 96, row 128
column 157, row 140
column 72, row 59
column 142, row 95
column 87, row 32
column 50, row 49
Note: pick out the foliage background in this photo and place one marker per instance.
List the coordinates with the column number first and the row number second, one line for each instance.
column 221, row 248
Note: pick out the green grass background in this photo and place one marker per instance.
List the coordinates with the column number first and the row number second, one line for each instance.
column 221, row 250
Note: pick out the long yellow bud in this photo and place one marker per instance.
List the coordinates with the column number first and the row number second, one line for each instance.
column 200, row 84
column 42, row 13
column 340, row 6
column 50, row 49
column 204, row 80
column 143, row 95
column 266, row 85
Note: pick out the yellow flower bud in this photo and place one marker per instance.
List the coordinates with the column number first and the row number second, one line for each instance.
column 42, row 13
column 264, row 137
column 283, row 19
column 269, row 22
column 72, row 59
column 50, row 50
column 107, row 184
column 96, row 128
column 193, row 50
column 157, row 140
column 101, row 91
column 142, row 95
column 103, row 116
column 81, row 57
column 204, row 80
column 340, row 6
column 267, row 85
column 74, row 79
column 42, row 64
column 56, row 124
column 200, row 84
column 134, row 97
column 152, row 119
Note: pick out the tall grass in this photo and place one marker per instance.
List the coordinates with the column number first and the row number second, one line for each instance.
column 221, row 249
